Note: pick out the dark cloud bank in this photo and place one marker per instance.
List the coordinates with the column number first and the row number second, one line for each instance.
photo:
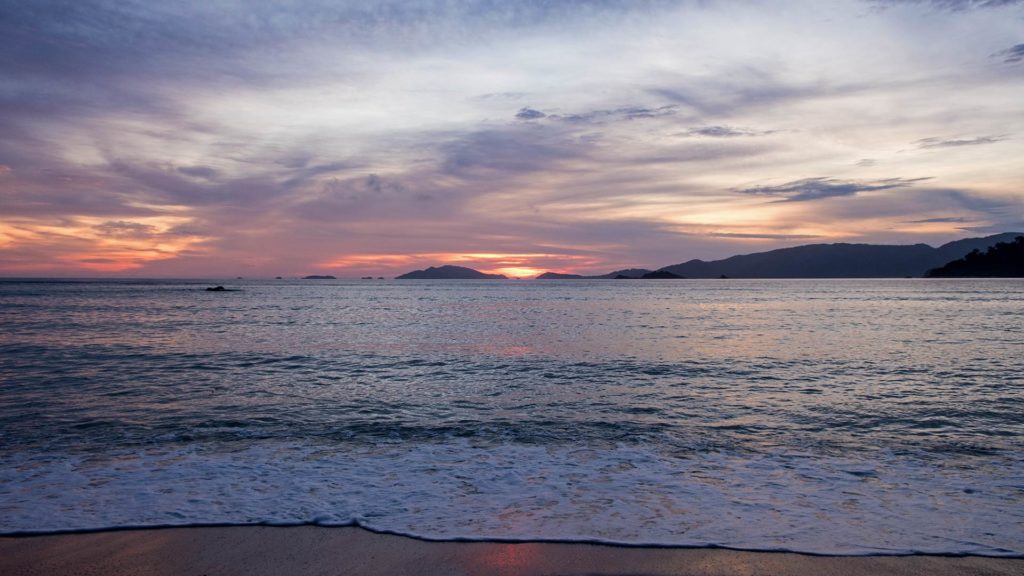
column 823, row 187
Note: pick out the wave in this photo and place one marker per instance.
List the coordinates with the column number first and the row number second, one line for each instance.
column 879, row 504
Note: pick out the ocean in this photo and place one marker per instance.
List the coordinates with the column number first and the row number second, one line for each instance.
column 821, row 416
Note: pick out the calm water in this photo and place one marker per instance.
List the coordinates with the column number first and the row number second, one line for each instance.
column 856, row 416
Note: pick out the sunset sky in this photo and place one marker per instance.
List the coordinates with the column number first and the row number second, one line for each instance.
column 350, row 137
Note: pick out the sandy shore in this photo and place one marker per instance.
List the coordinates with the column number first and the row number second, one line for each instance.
column 257, row 550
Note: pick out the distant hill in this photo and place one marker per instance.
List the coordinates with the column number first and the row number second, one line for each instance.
column 627, row 273
column 661, row 275
column 838, row 260
column 319, row 277
column 655, row 275
column 960, row 248
column 449, row 273
column 1004, row 260
column 559, row 276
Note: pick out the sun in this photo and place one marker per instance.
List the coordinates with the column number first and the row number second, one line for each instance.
column 516, row 271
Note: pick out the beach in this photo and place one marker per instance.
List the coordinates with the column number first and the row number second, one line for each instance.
column 309, row 550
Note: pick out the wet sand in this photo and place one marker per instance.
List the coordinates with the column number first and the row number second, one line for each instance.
column 302, row 550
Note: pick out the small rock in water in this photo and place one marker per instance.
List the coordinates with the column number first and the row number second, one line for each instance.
column 216, row 289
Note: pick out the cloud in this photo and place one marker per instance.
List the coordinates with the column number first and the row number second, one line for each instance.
column 997, row 228
column 529, row 114
column 760, row 236
column 725, row 132
column 509, row 95
column 385, row 201
column 513, row 151
column 98, row 261
column 202, row 186
column 299, row 175
column 942, row 220
column 98, row 41
column 914, row 202
column 821, row 188
column 926, row 143
column 603, row 115
column 91, row 59
column 746, row 88
column 1011, row 55
column 125, row 229
column 950, row 5
column 205, row 172
column 617, row 114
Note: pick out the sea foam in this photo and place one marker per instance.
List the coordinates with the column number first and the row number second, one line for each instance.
column 886, row 504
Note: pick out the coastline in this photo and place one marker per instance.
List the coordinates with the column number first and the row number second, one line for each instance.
column 258, row 550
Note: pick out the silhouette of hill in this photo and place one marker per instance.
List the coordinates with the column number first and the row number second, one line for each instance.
column 319, row 277
column 837, row 260
column 1004, row 260
column 449, row 273
column 559, row 276
column 661, row 275
column 627, row 273
column 818, row 261
column 960, row 248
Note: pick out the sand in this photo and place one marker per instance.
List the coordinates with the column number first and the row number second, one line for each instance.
column 300, row 550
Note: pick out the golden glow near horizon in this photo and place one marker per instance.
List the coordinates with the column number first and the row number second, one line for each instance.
column 511, row 265
column 99, row 245
column 512, row 141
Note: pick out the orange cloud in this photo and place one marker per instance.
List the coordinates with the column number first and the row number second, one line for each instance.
column 94, row 244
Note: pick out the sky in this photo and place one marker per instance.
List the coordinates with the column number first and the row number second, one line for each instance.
column 283, row 138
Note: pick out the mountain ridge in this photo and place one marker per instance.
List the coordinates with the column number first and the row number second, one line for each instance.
column 449, row 272
column 837, row 260
column 1003, row 260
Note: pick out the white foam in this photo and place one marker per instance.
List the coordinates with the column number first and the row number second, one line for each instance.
column 885, row 504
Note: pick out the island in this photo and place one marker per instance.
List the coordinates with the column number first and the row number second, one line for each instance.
column 319, row 277
column 661, row 275
column 647, row 275
column 559, row 276
column 1004, row 260
column 629, row 273
column 449, row 272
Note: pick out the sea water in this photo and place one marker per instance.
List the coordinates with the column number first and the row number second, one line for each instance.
column 824, row 416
